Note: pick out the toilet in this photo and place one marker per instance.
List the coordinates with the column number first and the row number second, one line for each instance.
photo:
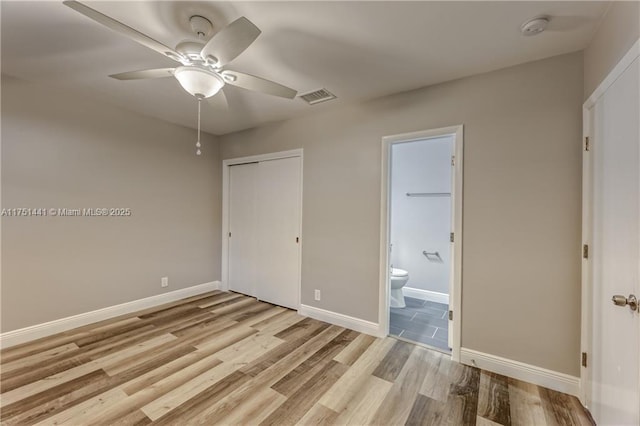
column 399, row 278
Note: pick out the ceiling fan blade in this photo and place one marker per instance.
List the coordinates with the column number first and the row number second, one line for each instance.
column 137, row 75
column 230, row 41
column 123, row 29
column 219, row 100
column 250, row 82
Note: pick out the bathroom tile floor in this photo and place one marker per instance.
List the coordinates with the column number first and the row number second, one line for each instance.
column 422, row 322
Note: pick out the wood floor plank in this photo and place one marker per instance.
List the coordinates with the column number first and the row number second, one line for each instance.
column 231, row 306
column 225, row 358
column 81, row 413
column 148, row 380
column 493, row 398
column 248, row 349
column 425, row 412
column 179, row 395
column 294, row 409
column 286, row 350
column 319, row 415
column 281, row 324
column 25, row 349
column 462, row 402
column 221, row 339
column 353, row 380
column 558, row 409
column 396, row 407
column 46, row 343
column 224, row 297
column 29, row 375
column 209, row 334
column 301, row 328
column 52, row 401
column 38, row 406
column 351, row 353
column 392, row 364
column 189, row 300
column 251, row 311
column 106, row 334
column 360, row 408
column 135, row 418
column 158, row 407
column 75, row 372
column 260, row 324
column 190, row 409
column 263, row 315
column 252, row 410
column 299, row 376
column 481, row 421
column 160, row 388
column 150, row 359
column 37, row 358
column 438, row 380
column 268, row 371
column 525, row 405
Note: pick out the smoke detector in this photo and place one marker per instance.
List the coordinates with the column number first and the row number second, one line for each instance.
column 534, row 26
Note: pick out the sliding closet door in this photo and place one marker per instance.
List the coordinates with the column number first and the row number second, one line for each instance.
column 243, row 228
column 279, row 227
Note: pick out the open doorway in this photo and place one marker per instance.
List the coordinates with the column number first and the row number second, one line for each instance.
column 422, row 200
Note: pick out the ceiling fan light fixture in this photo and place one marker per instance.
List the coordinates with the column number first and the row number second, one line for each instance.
column 199, row 82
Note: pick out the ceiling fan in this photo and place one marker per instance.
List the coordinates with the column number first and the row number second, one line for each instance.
column 202, row 71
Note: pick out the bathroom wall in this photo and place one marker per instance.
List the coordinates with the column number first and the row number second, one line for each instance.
column 421, row 223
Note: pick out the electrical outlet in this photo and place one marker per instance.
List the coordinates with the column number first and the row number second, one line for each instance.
column 164, row 282
column 317, row 294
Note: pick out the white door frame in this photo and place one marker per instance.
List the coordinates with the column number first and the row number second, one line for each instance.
column 225, row 208
column 587, row 214
column 455, row 283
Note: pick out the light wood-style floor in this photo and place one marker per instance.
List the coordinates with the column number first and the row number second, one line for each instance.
column 223, row 358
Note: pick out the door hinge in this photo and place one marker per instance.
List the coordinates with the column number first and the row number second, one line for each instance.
column 453, row 160
column 451, row 237
column 297, row 239
column 229, row 234
column 585, row 251
column 587, row 143
column 450, row 315
column 584, row 359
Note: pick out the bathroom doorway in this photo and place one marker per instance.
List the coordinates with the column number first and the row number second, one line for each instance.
column 422, row 206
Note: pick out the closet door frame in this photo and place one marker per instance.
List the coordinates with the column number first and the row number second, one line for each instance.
column 226, row 164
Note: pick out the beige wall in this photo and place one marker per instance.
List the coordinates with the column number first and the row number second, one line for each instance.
column 59, row 150
column 522, row 174
column 619, row 29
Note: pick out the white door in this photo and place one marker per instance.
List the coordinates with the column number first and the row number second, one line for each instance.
column 279, row 225
column 243, row 228
column 615, row 252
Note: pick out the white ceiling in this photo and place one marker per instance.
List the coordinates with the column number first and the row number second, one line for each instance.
column 357, row 50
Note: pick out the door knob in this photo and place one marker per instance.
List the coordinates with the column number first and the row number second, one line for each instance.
column 620, row 300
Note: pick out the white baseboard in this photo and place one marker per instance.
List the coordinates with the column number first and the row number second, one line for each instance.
column 342, row 320
column 27, row 334
column 421, row 294
column 519, row 370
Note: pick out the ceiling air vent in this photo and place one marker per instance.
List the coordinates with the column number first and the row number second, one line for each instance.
column 317, row 96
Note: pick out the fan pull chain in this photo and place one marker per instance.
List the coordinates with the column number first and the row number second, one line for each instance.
column 198, row 145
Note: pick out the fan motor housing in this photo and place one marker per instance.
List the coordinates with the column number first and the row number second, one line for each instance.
column 191, row 49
